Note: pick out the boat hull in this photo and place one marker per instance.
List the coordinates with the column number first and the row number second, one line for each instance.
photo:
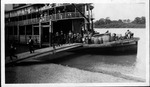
column 117, row 47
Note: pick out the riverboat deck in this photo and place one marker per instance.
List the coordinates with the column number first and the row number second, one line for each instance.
column 115, row 43
column 126, row 46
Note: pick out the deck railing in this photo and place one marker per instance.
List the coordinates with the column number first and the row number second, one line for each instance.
column 54, row 17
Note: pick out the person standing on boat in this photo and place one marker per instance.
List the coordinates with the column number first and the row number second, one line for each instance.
column 129, row 34
column 107, row 31
column 70, row 37
column 89, row 37
column 126, row 34
column 57, row 39
column 65, row 39
column 74, row 38
column 61, row 38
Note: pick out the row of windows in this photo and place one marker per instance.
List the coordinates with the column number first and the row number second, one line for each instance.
column 24, row 17
column 22, row 31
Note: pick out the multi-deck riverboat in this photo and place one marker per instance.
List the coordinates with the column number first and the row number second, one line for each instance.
column 42, row 21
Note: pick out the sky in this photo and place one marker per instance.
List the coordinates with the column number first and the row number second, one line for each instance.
column 117, row 11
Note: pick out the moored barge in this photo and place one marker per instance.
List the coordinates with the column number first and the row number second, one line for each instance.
column 105, row 44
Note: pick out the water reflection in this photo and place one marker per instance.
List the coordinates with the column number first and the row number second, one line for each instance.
column 119, row 58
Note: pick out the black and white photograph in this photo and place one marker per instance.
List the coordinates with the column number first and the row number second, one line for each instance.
column 66, row 43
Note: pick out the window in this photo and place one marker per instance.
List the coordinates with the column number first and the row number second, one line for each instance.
column 24, row 17
column 29, row 16
column 15, row 30
column 36, row 30
column 14, row 19
column 34, row 15
column 20, row 18
column 38, row 15
column 29, row 30
column 22, row 30
column 11, row 19
column 10, row 30
column 51, row 11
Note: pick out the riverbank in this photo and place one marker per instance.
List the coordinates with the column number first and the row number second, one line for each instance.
column 121, row 25
column 54, row 73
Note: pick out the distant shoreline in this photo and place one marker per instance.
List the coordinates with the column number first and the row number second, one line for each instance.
column 121, row 25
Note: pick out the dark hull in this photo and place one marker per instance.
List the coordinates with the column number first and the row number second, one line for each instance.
column 112, row 48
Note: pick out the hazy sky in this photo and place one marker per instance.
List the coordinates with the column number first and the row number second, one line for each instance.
column 118, row 10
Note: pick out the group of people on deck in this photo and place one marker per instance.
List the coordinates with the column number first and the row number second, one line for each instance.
column 128, row 35
column 62, row 38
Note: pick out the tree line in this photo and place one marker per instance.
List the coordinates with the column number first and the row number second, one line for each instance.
column 138, row 22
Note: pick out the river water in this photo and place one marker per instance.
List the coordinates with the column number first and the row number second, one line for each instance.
column 129, row 64
column 138, row 66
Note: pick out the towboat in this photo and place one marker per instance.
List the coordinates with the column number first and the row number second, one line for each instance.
column 106, row 43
